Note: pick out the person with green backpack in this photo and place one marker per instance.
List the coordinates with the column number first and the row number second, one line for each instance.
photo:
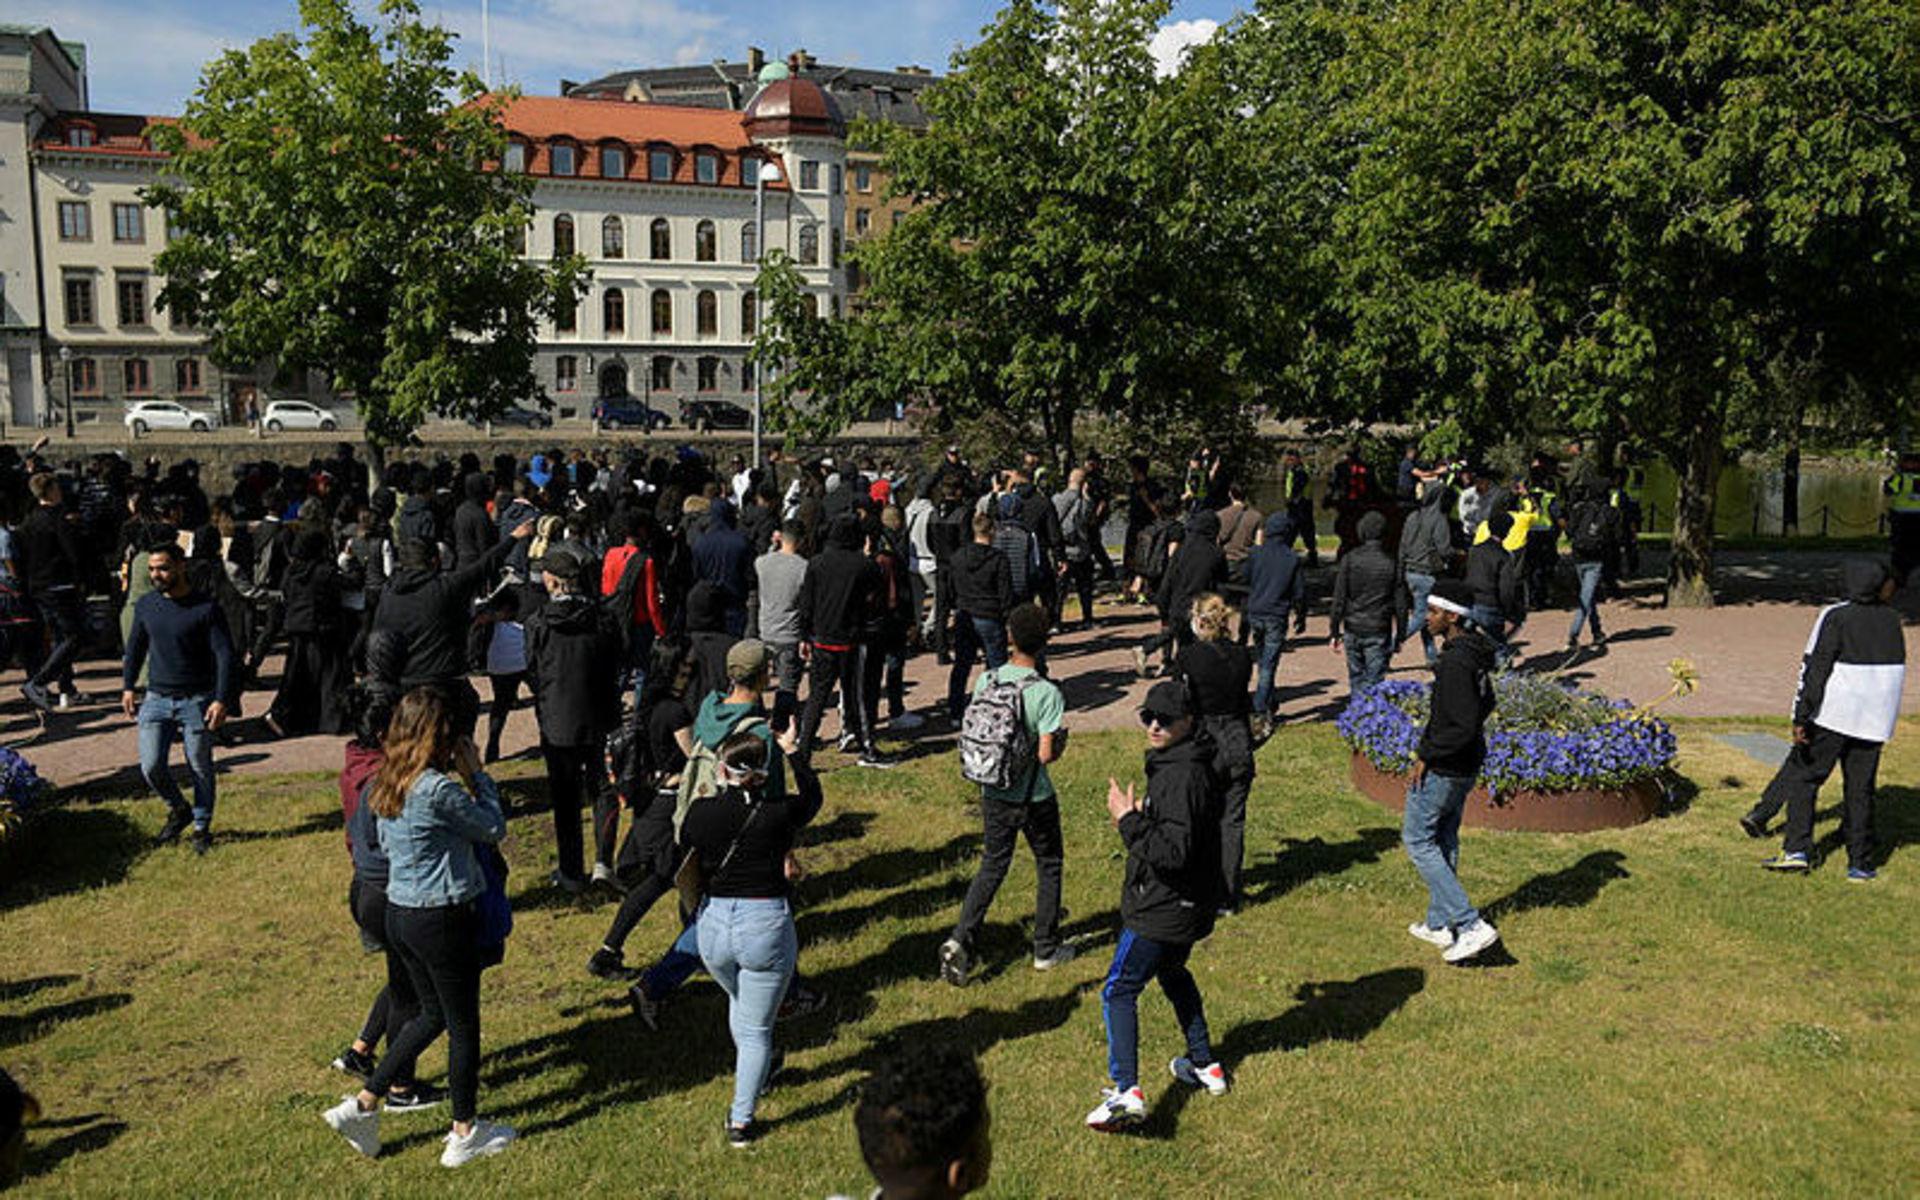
column 1011, row 731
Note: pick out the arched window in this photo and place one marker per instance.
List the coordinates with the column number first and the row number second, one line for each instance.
column 562, row 235
column 613, row 238
column 613, row 311
column 749, row 243
column 662, row 311
column 749, row 312
column 662, row 370
column 660, row 240
column 706, row 310
column 706, row 243
column 809, row 245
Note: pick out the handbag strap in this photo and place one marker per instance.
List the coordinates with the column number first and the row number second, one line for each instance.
column 752, row 812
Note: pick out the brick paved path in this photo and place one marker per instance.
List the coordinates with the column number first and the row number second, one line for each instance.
column 1747, row 652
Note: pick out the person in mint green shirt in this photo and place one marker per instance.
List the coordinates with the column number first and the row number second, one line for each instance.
column 1030, row 806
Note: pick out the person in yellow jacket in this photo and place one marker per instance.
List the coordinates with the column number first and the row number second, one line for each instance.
column 1903, row 516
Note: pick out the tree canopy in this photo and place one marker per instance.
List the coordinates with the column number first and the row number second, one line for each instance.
column 333, row 206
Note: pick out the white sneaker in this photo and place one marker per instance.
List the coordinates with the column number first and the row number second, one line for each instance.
column 1062, row 955
column 1442, row 938
column 486, row 1138
column 360, row 1127
column 604, row 876
column 1118, row 1110
column 1471, row 941
column 1212, row 1077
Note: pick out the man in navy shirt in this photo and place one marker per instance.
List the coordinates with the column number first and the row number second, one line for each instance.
column 181, row 636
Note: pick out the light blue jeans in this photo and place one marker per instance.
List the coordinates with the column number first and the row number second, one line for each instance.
column 160, row 717
column 1431, row 831
column 749, row 947
column 1421, row 587
column 1588, row 610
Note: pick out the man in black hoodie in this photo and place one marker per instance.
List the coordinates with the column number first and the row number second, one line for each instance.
column 430, row 610
column 723, row 558
column 834, row 593
column 982, row 588
column 1843, row 712
column 473, row 530
column 1495, row 581
column 573, row 660
column 1445, row 765
column 1197, row 566
column 51, row 562
column 1364, row 586
column 1172, row 890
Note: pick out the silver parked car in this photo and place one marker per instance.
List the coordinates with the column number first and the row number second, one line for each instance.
column 298, row 414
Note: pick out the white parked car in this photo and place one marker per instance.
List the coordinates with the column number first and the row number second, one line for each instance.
column 297, row 414
column 166, row 414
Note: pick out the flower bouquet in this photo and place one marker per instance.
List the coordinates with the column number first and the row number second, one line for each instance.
column 1557, row 758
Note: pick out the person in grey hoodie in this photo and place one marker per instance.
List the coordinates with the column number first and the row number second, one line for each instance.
column 1361, row 622
column 1426, row 551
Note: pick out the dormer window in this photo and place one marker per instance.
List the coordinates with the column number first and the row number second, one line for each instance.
column 613, row 162
column 514, row 161
column 660, row 164
column 563, row 159
column 80, row 135
column 706, row 168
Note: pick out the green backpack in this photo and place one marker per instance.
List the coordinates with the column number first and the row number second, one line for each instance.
column 700, row 779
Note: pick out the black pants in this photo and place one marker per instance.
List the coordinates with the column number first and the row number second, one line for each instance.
column 506, row 693
column 397, row 1002
column 1233, row 742
column 63, row 611
column 1302, row 515
column 576, row 779
column 268, row 620
column 646, row 866
column 440, row 948
column 1798, row 783
column 1905, row 544
column 1005, row 821
column 830, row 669
column 1080, row 576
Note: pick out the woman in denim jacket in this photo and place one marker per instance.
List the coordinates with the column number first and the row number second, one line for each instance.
column 435, row 805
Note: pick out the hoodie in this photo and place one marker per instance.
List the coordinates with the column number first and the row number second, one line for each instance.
column 1275, row 583
column 837, row 584
column 473, row 530
column 1197, row 566
column 1364, row 584
column 982, row 582
column 707, row 640
column 430, row 609
column 1855, row 661
column 722, row 556
column 1454, row 742
column 1426, row 540
column 715, row 721
column 517, row 513
column 1173, row 887
column 1493, row 572
column 573, row 662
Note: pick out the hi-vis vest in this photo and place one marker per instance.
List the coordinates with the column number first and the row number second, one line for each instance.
column 1516, row 539
column 1636, row 482
column 1905, row 490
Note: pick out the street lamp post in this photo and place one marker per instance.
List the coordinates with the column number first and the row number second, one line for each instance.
column 766, row 172
column 66, row 374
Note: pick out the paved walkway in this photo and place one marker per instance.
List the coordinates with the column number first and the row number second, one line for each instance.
column 1747, row 652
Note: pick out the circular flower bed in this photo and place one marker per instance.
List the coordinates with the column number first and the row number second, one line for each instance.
column 21, row 791
column 1557, row 758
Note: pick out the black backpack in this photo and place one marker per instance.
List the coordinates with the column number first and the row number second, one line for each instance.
column 1589, row 531
column 619, row 602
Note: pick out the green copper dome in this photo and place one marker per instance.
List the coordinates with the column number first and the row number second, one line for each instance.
column 773, row 72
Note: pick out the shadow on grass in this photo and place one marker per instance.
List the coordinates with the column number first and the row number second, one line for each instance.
column 1896, row 824
column 87, row 1136
column 889, row 869
column 1570, row 887
column 1336, row 1011
column 19, row 988
column 68, row 848
column 15, row 1031
column 1301, row 861
column 845, row 826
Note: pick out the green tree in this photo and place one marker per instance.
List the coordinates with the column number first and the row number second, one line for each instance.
column 1053, row 268
column 1619, row 217
column 334, row 206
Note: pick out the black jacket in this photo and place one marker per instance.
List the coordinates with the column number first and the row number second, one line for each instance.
column 431, row 611
column 473, row 530
column 982, row 582
column 1039, row 515
column 312, row 592
column 1855, row 663
column 836, row 587
column 573, row 660
column 1173, row 883
column 47, row 550
column 1199, row 565
column 1363, row 589
column 417, row 521
column 1454, row 741
column 1494, row 575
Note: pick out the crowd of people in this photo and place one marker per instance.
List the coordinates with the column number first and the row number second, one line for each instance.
column 683, row 629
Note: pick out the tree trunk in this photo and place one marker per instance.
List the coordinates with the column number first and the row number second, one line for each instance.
column 1790, row 484
column 1064, row 428
column 1690, row 567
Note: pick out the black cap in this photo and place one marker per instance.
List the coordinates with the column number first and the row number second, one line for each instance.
column 1168, row 698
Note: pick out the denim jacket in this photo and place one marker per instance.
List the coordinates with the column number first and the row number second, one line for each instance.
column 431, row 863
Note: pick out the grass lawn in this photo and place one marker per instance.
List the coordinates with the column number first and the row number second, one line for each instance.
column 1671, row 1020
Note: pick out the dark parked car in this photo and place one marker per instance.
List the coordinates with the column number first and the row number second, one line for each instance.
column 525, row 418
column 709, row 415
column 628, row 412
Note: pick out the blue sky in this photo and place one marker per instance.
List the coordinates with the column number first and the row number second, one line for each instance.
column 145, row 55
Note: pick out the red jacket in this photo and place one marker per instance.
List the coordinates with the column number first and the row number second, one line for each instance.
column 362, row 762
column 646, row 597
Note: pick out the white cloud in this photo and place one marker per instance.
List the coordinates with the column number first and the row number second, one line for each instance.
column 1171, row 41
column 138, row 60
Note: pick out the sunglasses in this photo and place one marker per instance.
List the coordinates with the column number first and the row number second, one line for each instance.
column 1150, row 718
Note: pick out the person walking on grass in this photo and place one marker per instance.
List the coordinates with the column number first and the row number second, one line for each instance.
column 435, row 806
column 1447, row 761
column 180, row 636
column 1843, row 712
column 1167, row 903
column 1015, row 718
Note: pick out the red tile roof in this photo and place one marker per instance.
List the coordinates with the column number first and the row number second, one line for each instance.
column 123, row 134
column 592, row 123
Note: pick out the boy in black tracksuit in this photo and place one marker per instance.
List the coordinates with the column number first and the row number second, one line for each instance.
column 1172, row 890
column 1844, row 711
column 834, row 594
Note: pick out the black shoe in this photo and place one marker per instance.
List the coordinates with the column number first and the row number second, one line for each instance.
column 742, row 1136
column 352, row 1062
column 415, row 1098
column 38, row 696
column 201, row 841
column 644, row 1006
column 1755, row 827
column 877, row 760
column 177, row 822
column 609, row 964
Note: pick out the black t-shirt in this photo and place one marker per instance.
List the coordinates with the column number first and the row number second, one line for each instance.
column 757, row 868
column 666, row 717
column 1217, row 674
